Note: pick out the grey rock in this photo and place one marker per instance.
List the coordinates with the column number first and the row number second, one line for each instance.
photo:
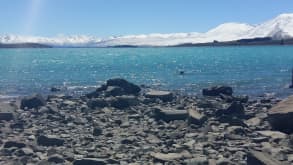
column 165, row 157
column 7, row 111
column 194, row 117
column 236, row 108
column 122, row 102
column 281, row 116
column 162, row 95
column 169, row 114
column 198, row 160
column 34, row 101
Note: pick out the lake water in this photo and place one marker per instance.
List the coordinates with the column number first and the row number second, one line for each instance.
column 249, row 70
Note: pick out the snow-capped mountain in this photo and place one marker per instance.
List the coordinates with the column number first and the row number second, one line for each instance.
column 280, row 27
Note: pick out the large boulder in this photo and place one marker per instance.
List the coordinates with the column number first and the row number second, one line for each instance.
column 169, row 114
column 128, row 87
column 34, row 101
column 217, row 90
column 235, row 109
column 49, row 140
column 162, row 95
column 114, row 91
column 281, row 116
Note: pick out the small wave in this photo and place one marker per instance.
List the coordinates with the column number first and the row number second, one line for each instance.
column 81, row 87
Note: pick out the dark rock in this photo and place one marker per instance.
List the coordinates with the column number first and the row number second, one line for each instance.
column 242, row 99
column 97, row 103
column 49, row 141
column 236, row 108
column 114, row 91
column 281, row 115
column 34, row 101
column 194, row 117
column 122, row 102
column 162, row 95
column 90, row 161
column 217, row 90
column 6, row 116
column 128, row 87
column 259, row 158
column 56, row 159
column 16, row 144
column 97, row 131
column 169, row 114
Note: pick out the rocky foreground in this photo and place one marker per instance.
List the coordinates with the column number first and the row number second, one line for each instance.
column 122, row 123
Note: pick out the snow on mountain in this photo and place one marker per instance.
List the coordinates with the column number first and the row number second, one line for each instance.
column 280, row 27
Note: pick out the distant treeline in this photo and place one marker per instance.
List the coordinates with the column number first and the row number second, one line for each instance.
column 243, row 42
column 24, row 45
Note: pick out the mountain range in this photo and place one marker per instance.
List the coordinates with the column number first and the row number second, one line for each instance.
column 278, row 28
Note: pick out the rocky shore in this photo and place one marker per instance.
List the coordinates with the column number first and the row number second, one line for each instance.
column 122, row 123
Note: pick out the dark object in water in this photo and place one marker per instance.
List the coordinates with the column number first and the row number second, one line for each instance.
column 181, row 72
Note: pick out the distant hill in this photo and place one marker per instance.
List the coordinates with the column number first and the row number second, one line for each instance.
column 24, row 45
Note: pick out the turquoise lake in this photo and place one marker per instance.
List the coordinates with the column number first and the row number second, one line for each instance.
column 249, row 70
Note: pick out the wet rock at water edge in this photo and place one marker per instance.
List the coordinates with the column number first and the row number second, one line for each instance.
column 217, row 90
column 128, row 87
column 236, row 108
column 34, row 101
column 162, row 95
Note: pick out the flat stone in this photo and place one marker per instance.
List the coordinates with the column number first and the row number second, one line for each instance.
column 7, row 111
column 97, row 131
column 194, row 117
column 273, row 134
column 49, row 141
column 90, row 161
column 259, row 158
column 169, row 114
column 281, row 116
column 162, row 95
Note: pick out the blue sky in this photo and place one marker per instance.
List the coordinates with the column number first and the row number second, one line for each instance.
column 121, row 17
